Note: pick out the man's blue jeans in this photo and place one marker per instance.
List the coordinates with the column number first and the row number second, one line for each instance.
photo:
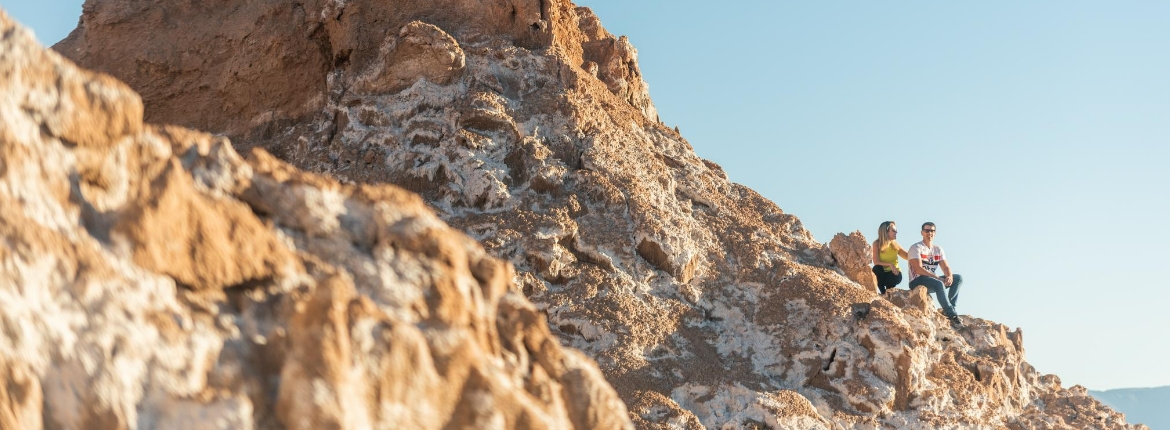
column 946, row 299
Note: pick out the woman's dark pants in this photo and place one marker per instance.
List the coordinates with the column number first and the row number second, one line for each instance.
column 886, row 280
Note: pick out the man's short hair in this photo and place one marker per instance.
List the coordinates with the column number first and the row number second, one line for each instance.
column 928, row 223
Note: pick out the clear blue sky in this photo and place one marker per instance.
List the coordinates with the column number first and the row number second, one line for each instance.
column 1035, row 134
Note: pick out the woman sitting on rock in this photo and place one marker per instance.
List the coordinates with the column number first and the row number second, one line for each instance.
column 886, row 251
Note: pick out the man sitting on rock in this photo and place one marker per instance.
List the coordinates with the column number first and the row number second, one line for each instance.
column 925, row 259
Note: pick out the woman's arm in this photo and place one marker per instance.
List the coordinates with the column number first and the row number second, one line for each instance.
column 877, row 261
column 902, row 253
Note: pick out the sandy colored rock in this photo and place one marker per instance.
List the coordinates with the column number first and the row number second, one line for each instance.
column 852, row 254
column 419, row 50
column 154, row 279
column 704, row 304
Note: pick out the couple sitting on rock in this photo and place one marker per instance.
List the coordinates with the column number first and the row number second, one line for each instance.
column 925, row 258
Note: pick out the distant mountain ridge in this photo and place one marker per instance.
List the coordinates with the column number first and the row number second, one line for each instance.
column 1140, row 405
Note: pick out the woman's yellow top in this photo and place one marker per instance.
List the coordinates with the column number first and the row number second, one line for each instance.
column 889, row 254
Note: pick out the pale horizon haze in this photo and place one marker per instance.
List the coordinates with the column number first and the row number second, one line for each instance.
column 1036, row 135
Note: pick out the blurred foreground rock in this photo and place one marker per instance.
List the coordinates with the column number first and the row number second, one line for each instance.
column 152, row 278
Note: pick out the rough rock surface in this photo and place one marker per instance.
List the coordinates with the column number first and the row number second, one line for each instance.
column 528, row 126
column 151, row 278
column 853, row 255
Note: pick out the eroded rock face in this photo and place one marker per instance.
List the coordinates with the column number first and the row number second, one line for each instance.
column 853, row 255
column 190, row 74
column 153, row 278
column 704, row 304
column 419, row 50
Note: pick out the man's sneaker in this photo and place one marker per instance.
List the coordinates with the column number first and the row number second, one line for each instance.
column 955, row 321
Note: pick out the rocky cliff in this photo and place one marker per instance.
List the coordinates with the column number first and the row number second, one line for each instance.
column 526, row 125
column 152, row 278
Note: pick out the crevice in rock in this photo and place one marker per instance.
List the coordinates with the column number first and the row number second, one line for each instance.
column 517, row 171
column 570, row 243
column 341, row 60
column 95, row 222
column 237, row 294
column 653, row 254
column 832, row 357
column 709, row 316
column 671, row 162
column 860, row 311
column 250, row 284
column 699, row 207
column 569, row 329
column 755, row 425
column 320, row 37
column 974, row 369
column 184, row 286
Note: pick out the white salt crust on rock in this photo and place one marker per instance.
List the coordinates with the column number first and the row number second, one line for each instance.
column 152, row 278
column 529, row 127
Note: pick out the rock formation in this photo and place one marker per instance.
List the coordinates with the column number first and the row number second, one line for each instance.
column 151, row 278
column 852, row 254
column 528, row 126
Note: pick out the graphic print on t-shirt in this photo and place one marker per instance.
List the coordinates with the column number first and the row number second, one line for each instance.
column 929, row 257
column 930, row 262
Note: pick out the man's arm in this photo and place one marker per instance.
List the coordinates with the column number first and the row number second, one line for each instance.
column 917, row 269
column 947, row 278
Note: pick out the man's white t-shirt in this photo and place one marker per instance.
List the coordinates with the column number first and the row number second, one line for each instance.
column 930, row 257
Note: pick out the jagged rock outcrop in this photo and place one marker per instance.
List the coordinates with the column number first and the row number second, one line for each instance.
column 852, row 254
column 152, row 278
column 529, row 127
column 190, row 72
